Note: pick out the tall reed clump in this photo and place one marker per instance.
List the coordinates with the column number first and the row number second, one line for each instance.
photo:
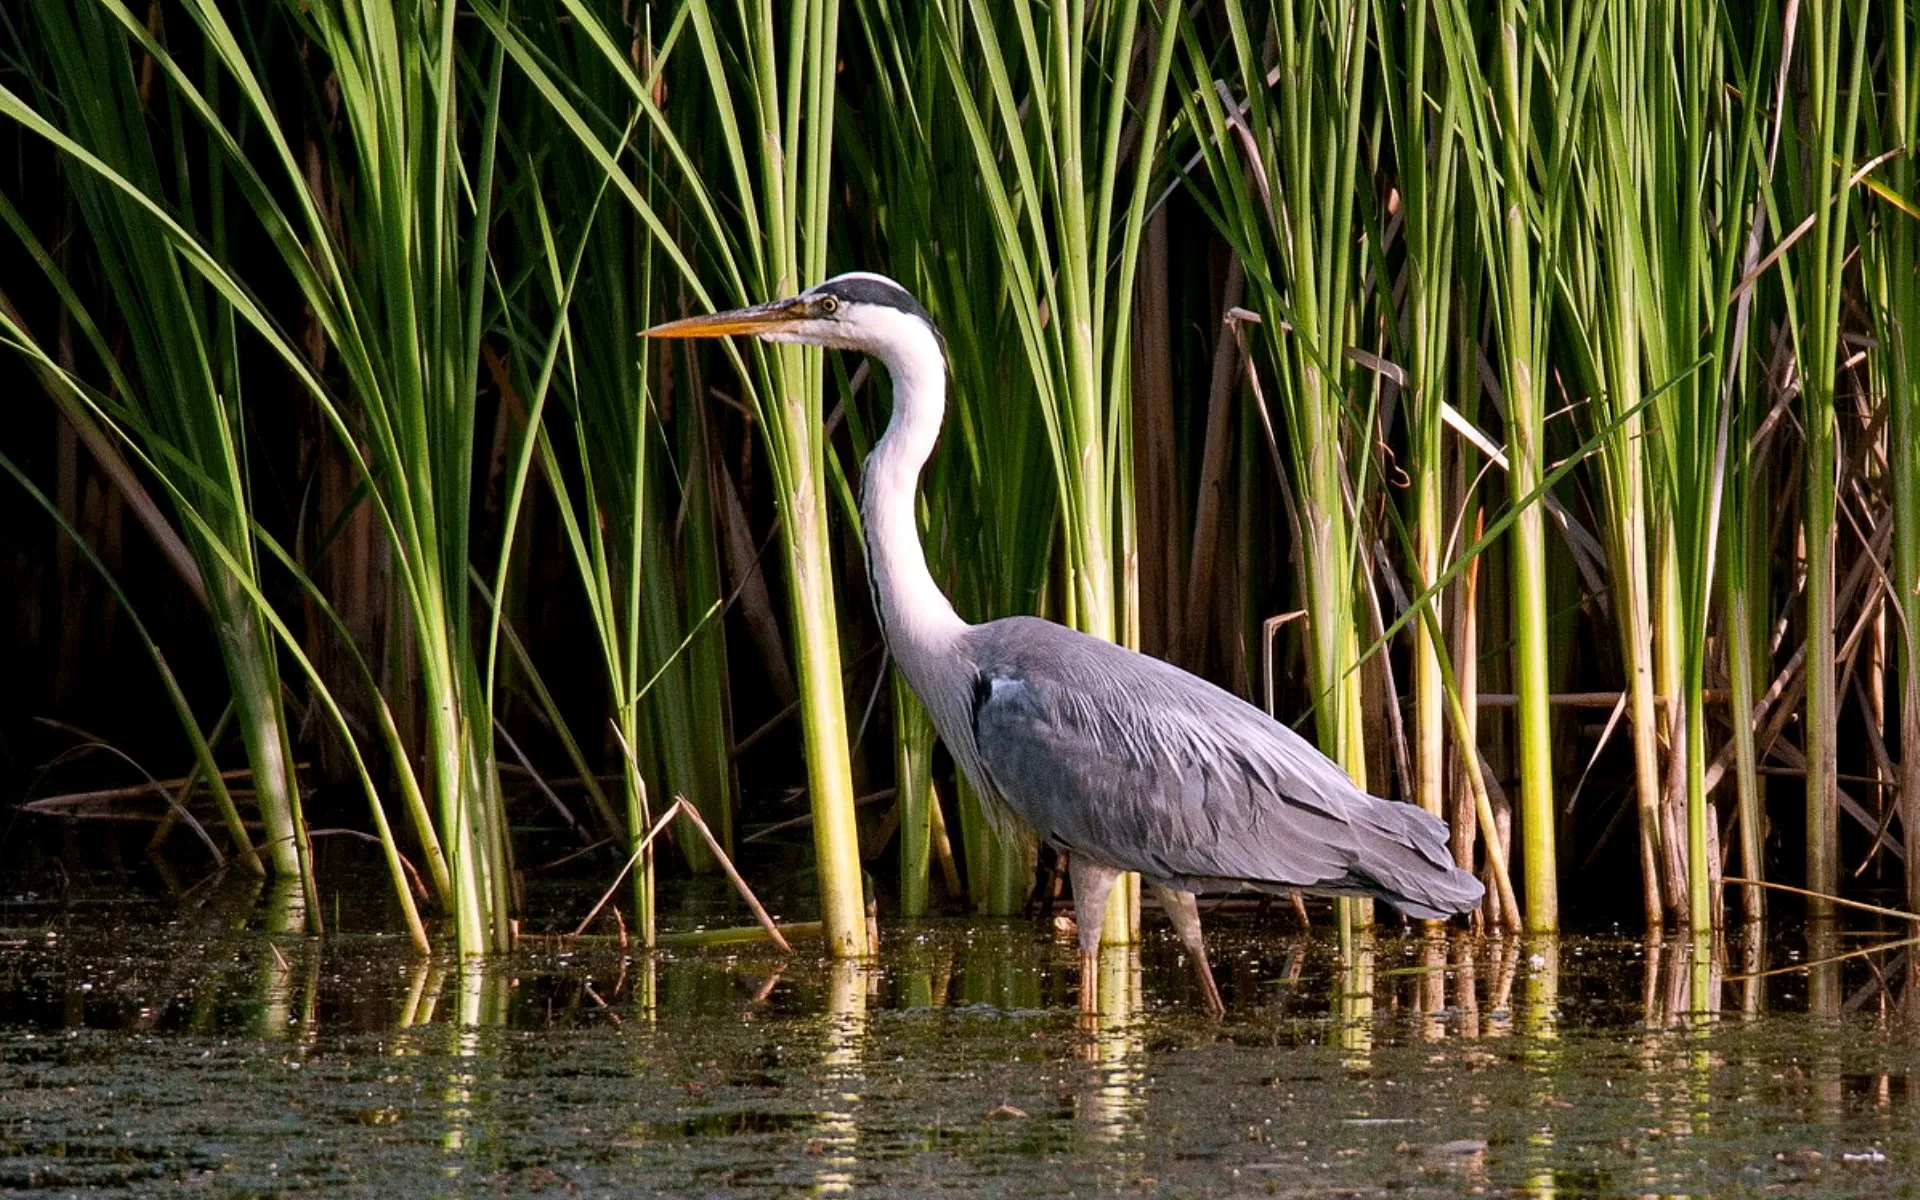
column 990, row 504
column 1063, row 106
column 1601, row 291
column 1422, row 102
column 1283, row 145
column 179, row 399
column 1521, row 187
column 1826, row 113
column 394, row 282
column 1690, row 173
column 630, row 471
column 745, row 161
column 1667, row 176
column 1431, row 325
column 1890, row 250
column 399, row 286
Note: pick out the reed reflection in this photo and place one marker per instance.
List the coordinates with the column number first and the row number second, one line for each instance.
column 1707, row 954
column 481, row 1001
column 424, row 984
column 1683, row 984
column 1430, row 985
column 836, row 1127
column 925, row 974
column 996, row 969
column 646, row 988
column 1828, row 1092
column 1703, row 1008
column 285, row 995
column 1538, row 1024
column 1466, row 989
column 1503, row 967
column 1112, row 1105
column 1353, row 1001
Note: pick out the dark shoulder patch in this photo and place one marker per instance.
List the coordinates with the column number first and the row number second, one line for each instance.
column 982, row 696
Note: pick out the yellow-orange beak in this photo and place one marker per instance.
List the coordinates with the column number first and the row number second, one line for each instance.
column 761, row 318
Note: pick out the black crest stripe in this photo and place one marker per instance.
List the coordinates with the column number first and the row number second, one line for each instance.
column 882, row 292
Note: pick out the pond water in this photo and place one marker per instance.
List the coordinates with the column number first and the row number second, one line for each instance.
column 179, row 1058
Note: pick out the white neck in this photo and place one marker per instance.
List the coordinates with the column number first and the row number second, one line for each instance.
column 916, row 617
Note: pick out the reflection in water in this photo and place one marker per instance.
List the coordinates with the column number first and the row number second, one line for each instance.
column 1538, row 1024
column 926, row 969
column 837, row 1129
column 481, row 994
column 1110, row 1106
column 1419, row 1064
column 1354, row 1000
column 1430, row 993
column 646, row 991
column 1503, row 960
column 279, row 991
column 995, row 969
column 1705, row 953
column 424, row 982
column 1466, row 993
column 1109, row 1109
column 1682, row 983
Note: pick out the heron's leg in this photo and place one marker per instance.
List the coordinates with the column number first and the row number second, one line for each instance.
column 1185, row 915
column 1091, row 883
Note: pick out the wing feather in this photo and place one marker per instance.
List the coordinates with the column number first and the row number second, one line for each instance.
column 1140, row 765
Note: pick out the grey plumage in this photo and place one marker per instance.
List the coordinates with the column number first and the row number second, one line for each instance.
column 1139, row 765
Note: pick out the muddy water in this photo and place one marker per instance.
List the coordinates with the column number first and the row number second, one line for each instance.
column 169, row 1060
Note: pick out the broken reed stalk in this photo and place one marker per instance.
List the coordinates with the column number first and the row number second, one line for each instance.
column 1824, row 897
column 681, row 806
column 734, row 935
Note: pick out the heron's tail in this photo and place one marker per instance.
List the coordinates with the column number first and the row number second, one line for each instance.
column 1404, row 859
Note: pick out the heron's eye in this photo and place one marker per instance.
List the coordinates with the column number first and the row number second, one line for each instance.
column 829, row 305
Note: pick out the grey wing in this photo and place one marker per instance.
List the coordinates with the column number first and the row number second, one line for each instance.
column 1139, row 765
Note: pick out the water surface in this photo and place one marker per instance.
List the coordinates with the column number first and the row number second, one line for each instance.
column 174, row 1059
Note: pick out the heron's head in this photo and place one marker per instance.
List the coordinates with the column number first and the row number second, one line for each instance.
column 855, row 311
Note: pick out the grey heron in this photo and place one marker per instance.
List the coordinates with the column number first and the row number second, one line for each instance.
column 1125, row 762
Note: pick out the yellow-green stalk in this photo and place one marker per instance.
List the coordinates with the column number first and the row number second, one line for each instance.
column 1047, row 111
column 1828, row 109
column 1888, row 254
column 1285, row 174
column 759, row 211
